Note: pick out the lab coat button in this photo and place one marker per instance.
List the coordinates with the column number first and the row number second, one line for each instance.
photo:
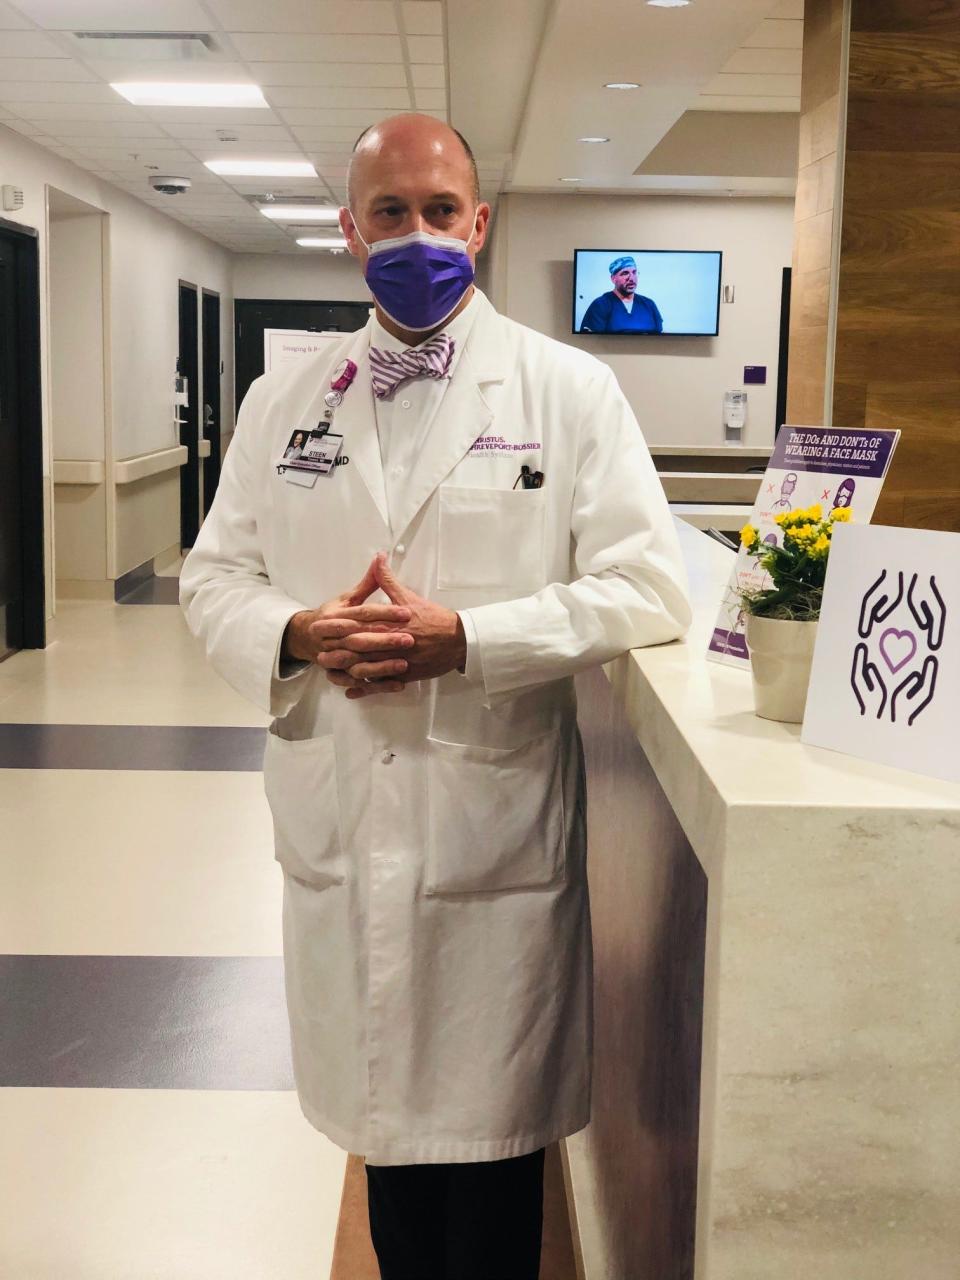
column 400, row 548
column 386, row 756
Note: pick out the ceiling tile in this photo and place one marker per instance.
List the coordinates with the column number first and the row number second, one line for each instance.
column 306, row 116
column 326, row 133
column 26, row 127
column 10, row 20
column 232, row 120
column 43, row 70
column 116, row 15
column 116, row 111
column 216, row 70
column 328, row 16
column 423, row 17
column 776, row 34
column 29, row 44
column 428, row 76
column 427, row 49
column 318, row 96
column 193, row 130
column 332, row 74
column 106, row 129
column 310, row 48
column 431, row 99
column 61, row 91
column 765, row 62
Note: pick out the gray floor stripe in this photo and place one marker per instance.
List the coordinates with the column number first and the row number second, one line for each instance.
column 154, row 591
column 130, row 746
column 143, row 1022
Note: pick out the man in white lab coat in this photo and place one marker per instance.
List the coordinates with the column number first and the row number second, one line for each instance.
column 491, row 496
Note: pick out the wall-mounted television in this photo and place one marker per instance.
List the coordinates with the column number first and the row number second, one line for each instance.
column 641, row 292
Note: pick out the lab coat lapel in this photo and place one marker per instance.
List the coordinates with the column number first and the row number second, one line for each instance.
column 356, row 421
column 465, row 413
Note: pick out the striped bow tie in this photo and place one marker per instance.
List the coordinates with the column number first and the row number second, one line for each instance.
column 389, row 368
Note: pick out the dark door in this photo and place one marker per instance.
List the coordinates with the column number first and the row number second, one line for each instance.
column 11, row 506
column 212, row 367
column 187, row 365
column 22, row 622
column 252, row 316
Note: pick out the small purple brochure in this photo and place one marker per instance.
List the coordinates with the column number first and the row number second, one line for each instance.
column 885, row 684
column 832, row 466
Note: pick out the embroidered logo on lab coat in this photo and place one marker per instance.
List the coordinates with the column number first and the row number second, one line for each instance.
column 499, row 447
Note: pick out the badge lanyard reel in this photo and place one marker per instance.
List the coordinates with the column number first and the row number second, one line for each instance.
column 310, row 454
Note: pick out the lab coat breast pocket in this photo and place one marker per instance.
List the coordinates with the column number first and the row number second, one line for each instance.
column 491, row 539
column 496, row 818
column 300, row 779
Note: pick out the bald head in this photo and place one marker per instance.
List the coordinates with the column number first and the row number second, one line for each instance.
column 415, row 141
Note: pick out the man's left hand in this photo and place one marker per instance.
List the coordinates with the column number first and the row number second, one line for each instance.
column 439, row 643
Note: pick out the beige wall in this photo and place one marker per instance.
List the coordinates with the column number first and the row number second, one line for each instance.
column 675, row 385
column 323, row 277
column 148, row 255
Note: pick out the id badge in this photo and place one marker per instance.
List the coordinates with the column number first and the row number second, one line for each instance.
column 308, row 455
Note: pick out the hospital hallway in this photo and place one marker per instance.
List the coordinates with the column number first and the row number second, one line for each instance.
column 149, row 1129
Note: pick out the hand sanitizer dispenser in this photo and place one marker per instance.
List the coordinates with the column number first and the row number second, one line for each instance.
column 734, row 416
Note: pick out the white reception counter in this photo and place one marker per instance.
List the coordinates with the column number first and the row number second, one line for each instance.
column 776, row 945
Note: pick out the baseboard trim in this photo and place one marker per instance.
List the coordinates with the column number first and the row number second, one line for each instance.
column 132, row 579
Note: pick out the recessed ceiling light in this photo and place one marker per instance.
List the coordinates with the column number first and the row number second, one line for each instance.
column 593, row 139
column 262, row 168
column 622, row 84
column 323, row 242
column 668, row 4
column 300, row 212
column 182, row 94
column 571, row 179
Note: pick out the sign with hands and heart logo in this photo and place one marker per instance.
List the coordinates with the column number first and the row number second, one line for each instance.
column 885, row 683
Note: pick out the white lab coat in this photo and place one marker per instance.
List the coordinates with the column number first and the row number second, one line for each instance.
column 436, row 922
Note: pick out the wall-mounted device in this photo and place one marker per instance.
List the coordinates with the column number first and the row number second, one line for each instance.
column 169, row 184
column 734, row 416
column 12, row 198
column 647, row 292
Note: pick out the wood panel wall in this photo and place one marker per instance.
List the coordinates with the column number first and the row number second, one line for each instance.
column 813, row 254
column 898, row 320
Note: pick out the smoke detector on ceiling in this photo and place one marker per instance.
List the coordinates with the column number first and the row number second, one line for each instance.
column 169, row 184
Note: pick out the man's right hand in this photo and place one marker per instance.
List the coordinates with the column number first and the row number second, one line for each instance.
column 381, row 661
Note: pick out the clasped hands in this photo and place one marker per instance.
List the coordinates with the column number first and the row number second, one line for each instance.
column 378, row 648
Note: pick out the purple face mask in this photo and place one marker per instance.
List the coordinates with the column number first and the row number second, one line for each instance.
column 419, row 279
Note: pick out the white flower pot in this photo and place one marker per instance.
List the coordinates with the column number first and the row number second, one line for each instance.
column 781, row 654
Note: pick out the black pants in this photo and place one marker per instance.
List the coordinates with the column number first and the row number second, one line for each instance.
column 479, row 1221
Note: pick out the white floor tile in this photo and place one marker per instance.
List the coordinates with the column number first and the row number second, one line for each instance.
column 137, row 863
column 157, row 1185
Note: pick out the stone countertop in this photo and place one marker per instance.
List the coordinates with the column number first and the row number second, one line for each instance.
column 713, row 755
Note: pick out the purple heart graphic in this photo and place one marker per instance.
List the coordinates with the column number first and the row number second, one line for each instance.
column 897, row 647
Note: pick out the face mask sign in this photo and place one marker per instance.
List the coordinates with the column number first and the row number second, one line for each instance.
column 418, row 279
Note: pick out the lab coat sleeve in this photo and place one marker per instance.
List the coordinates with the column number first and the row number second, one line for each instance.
column 225, row 591
column 629, row 584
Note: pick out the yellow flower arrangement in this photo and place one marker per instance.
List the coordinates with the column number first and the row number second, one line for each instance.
column 797, row 566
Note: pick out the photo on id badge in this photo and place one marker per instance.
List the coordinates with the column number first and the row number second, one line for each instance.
column 313, row 451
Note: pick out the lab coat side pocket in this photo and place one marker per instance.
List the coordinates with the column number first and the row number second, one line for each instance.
column 496, row 819
column 300, row 780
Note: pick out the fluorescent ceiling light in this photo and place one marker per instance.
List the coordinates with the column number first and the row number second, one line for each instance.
column 668, row 4
column 593, row 139
column 184, row 94
column 323, row 242
column 570, row 179
column 262, row 168
column 622, row 84
column 300, row 212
